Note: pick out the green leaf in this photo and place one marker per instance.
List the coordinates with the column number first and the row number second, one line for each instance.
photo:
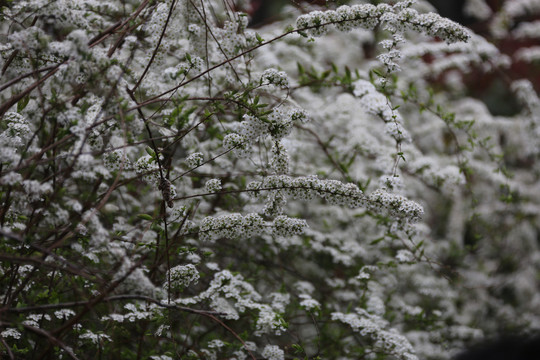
column 22, row 103
column 301, row 69
column 145, row 217
column 376, row 241
column 151, row 152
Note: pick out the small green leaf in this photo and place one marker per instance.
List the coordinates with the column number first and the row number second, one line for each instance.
column 376, row 241
column 151, row 152
column 22, row 103
column 145, row 217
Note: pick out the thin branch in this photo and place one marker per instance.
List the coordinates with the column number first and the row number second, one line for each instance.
column 16, row 98
column 19, row 78
column 123, row 35
column 109, row 299
column 52, row 339
column 8, row 349
column 173, row 3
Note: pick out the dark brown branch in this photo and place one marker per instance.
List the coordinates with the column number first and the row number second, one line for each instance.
column 110, row 299
column 156, row 48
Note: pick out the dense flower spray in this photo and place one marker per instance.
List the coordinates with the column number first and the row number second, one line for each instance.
column 175, row 184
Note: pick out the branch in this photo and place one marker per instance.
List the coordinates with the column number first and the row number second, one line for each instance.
column 110, row 299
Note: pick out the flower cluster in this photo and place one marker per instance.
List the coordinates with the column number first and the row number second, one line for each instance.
column 396, row 19
column 309, row 303
column 306, row 188
column 213, row 185
column 226, row 288
column 11, row 332
column 280, row 159
column 273, row 352
column 15, row 134
column 104, row 105
column 231, row 226
column 286, row 227
column 182, row 276
column 395, row 205
column 275, row 77
column 277, row 124
column 236, row 226
column 194, row 160
column 377, row 104
column 96, row 339
column 374, row 326
column 147, row 167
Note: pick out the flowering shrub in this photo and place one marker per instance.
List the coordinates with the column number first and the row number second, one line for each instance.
column 176, row 185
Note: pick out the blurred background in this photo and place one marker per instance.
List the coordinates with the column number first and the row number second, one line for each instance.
column 490, row 87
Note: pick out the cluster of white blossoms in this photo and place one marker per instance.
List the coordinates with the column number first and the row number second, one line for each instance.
column 397, row 18
column 285, row 226
column 377, row 104
column 395, row 205
column 467, row 57
column 306, row 188
column 525, row 92
column 88, row 86
column 274, row 77
column 528, row 55
column 280, row 159
column 10, row 333
column 36, row 190
column 374, row 326
column 231, row 36
column 280, row 301
column 273, row 352
column 336, row 193
column 194, row 160
column 181, row 276
column 277, row 124
column 232, row 226
column 17, row 131
column 235, row 226
column 231, row 295
column 35, row 319
column 527, row 30
column 309, row 303
column 64, row 314
column 239, row 144
column 391, row 183
column 94, row 338
column 137, row 312
column 447, row 178
column 147, row 166
column 213, row 185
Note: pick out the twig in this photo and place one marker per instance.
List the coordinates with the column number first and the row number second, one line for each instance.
column 156, row 48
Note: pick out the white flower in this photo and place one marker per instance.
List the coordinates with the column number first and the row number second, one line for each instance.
column 64, row 313
column 404, row 256
column 275, row 77
column 195, row 159
column 273, row 352
column 94, row 338
column 309, row 303
column 213, row 185
column 182, row 276
column 11, row 332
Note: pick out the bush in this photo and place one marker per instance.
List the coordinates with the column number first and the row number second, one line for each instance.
column 176, row 184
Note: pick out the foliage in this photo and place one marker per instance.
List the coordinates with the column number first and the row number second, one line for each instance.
column 175, row 184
